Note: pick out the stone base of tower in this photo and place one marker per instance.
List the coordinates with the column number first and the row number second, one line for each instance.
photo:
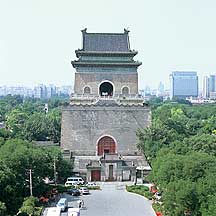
column 101, row 138
column 110, row 167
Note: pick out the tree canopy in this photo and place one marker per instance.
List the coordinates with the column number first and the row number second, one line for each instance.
column 180, row 145
column 26, row 122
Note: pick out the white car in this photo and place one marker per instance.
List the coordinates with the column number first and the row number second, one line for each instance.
column 53, row 211
column 62, row 204
column 91, row 184
column 73, row 212
column 84, row 190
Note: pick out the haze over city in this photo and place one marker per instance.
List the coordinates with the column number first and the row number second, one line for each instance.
column 38, row 38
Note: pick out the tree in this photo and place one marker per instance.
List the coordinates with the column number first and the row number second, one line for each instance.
column 4, row 133
column 43, row 127
column 209, row 125
column 36, row 127
column 3, row 209
column 181, row 145
column 54, row 125
column 153, row 138
column 181, row 196
column 209, row 207
column 166, row 168
column 16, row 158
column 15, row 121
column 7, row 187
column 202, row 143
column 30, row 206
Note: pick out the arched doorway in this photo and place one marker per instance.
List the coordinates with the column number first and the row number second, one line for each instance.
column 106, row 89
column 125, row 91
column 106, row 145
column 87, row 90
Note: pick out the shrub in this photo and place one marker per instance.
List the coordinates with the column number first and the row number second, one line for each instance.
column 140, row 189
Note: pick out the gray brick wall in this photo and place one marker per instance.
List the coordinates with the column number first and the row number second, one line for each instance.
column 83, row 126
column 93, row 80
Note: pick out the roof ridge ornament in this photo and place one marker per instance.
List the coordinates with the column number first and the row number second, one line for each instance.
column 84, row 30
column 126, row 30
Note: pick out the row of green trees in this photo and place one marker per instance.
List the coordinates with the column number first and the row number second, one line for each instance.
column 180, row 145
column 26, row 118
column 17, row 157
column 26, row 121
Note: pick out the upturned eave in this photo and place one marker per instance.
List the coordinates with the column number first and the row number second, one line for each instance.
column 105, row 64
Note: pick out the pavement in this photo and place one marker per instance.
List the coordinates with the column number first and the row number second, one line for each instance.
column 112, row 200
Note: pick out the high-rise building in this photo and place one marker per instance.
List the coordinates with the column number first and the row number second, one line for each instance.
column 205, row 87
column 40, row 91
column 160, row 90
column 183, row 84
column 212, row 84
column 50, row 90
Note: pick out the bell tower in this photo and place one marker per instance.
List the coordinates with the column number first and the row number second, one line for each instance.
column 100, row 123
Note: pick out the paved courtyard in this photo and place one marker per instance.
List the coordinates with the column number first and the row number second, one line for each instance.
column 113, row 200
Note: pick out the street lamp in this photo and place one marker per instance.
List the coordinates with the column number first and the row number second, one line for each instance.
column 29, row 171
column 54, row 170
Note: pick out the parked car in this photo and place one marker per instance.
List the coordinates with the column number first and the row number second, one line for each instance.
column 53, row 211
column 91, row 184
column 73, row 212
column 84, row 190
column 74, row 181
column 73, row 192
column 62, row 204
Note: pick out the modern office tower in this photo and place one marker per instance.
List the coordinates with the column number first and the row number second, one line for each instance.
column 40, row 91
column 183, row 84
column 161, row 87
column 160, row 90
column 212, row 84
column 205, row 87
column 50, row 90
column 147, row 90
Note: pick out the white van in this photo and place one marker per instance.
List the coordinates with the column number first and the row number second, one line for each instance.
column 74, row 181
column 62, row 204
column 73, row 212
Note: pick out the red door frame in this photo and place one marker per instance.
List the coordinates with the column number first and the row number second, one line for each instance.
column 106, row 144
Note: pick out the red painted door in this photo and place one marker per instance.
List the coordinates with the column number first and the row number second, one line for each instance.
column 106, row 145
column 95, row 175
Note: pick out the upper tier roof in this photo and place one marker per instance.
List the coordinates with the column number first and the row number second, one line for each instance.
column 106, row 42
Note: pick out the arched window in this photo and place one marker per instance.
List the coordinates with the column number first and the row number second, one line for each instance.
column 106, row 89
column 125, row 90
column 106, row 145
column 87, row 90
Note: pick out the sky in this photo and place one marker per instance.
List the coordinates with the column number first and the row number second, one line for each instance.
column 38, row 37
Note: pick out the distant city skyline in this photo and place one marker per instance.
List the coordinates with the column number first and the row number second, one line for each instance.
column 38, row 38
column 39, row 91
